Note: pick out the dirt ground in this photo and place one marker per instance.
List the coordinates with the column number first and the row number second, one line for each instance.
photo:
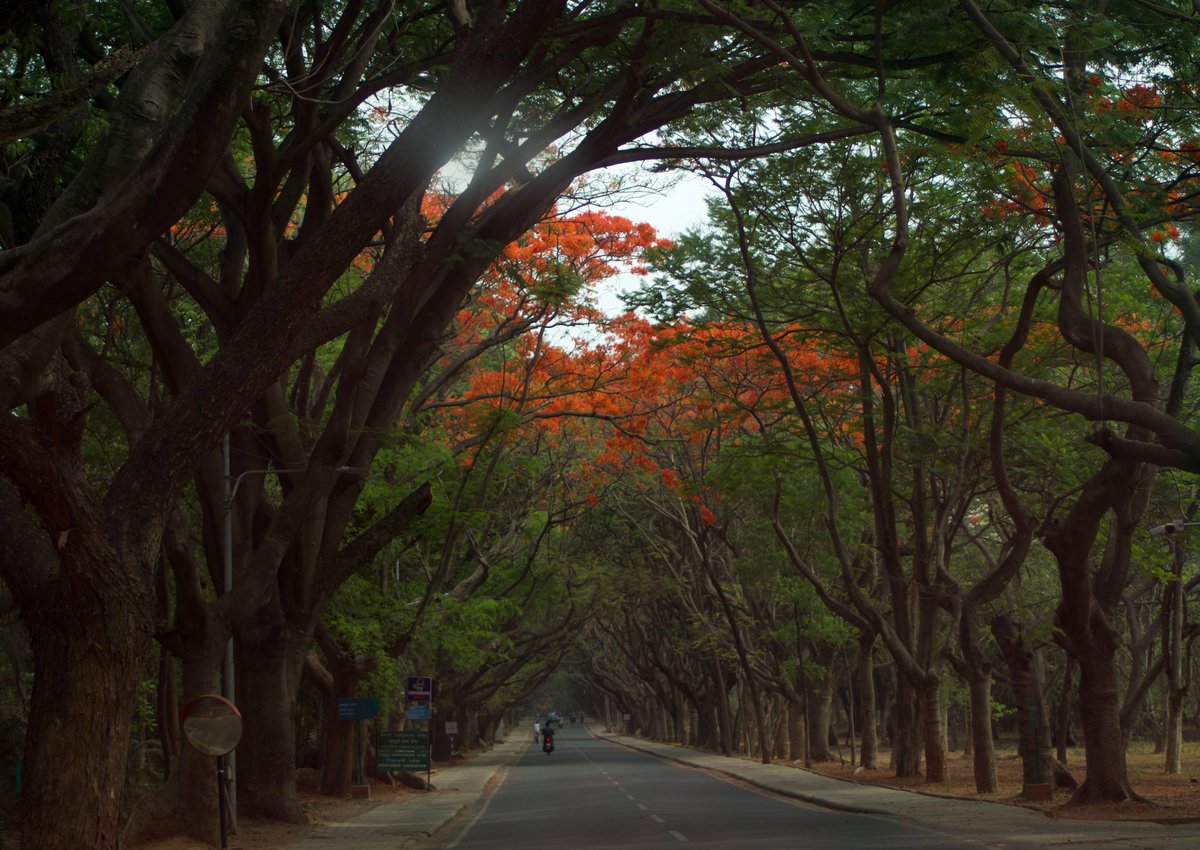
column 1173, row 798
column 272, row 835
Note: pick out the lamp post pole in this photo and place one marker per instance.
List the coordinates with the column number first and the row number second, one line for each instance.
column 227, row 684
column 227, row 672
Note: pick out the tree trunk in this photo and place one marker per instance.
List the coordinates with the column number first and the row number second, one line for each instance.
column 934, row 726
column 341, row 740
column 90, row 644
column 979, row 713
column 1174, row 732
column 820, row 719
column 866, row 702
column 269, row 660
column 1064, row 710
column 1176, row 681
column 1024, row 673
column 724, row 715
column 187, row 804
column 338, row 738
column 1107, row 777
column 781, row 743
column 906, row 751
column 795, row 726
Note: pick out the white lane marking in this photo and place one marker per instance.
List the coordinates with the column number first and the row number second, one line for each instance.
column 657, row 819
column 630, row 797
column 643, row 808
column 677, row 835
column 503, row 774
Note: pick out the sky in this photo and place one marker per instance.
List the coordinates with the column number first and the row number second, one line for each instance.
column 678, row 208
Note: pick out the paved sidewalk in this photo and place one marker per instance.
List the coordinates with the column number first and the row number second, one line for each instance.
column 991, row 824
column 396, row 825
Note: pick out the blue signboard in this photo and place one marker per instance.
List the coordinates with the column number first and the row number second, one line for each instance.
column 358, row 708
column 419, row 711
column 419, row 689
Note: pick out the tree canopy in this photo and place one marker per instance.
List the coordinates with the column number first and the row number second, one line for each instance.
column 300, row 348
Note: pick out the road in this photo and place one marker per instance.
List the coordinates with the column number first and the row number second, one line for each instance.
column 590, row 794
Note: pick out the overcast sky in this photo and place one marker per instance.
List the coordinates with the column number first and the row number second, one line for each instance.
column 679, row 208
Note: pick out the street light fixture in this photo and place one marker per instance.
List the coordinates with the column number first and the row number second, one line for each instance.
column 228, row 691
column 1173, row 527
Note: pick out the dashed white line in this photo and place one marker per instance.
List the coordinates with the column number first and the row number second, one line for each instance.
column 657, row 819
column 643, row 808
column 630, row 797
column 677, row 835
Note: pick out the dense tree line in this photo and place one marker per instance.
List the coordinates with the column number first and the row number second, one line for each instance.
column 294, row 299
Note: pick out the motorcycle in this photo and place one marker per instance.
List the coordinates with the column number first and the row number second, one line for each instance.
column 547, row 744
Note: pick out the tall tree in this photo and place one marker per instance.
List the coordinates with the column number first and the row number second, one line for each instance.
column 506, row 82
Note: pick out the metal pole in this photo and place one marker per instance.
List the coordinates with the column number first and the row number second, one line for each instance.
column 227, row 688
column 222, row 799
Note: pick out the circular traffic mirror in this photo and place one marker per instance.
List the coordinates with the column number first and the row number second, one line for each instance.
column 211, row 724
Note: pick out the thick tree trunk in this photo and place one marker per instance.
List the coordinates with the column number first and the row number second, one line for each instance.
column 1024, row 673
column 1174, row 732
column 782, row 739
column 90, row 645
column 820, row 718
column 340, row 755
column 1107, row 777
column 341, row 740
column 906, row 750
column 187, row 804
column 795, row 725
column 983, row 750
column 269, row 660
column 934, row 725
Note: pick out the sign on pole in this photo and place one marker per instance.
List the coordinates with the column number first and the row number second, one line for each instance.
column 357, row 708
column 420, row 711
column 419, row 689
column 407, row 750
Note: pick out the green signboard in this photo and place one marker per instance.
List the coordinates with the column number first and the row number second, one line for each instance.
column 407, row 750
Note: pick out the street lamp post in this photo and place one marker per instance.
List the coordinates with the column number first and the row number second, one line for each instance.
column 228, row 690
column 227, row 687
column 1173, row 527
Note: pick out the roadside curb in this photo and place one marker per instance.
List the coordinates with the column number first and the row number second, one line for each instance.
column 469, row 798
column 732, row 773
column 735, row 771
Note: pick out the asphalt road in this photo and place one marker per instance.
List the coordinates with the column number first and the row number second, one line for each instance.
column 594, row 795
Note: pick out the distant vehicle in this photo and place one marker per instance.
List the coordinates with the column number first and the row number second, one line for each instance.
column 548, row 742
